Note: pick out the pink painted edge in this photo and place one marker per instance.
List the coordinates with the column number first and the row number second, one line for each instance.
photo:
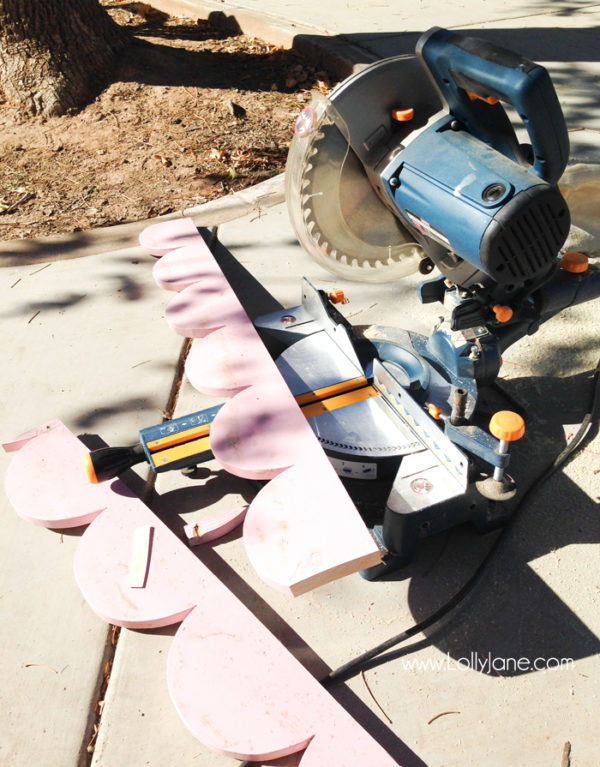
column 157, row 623
column 63, row 524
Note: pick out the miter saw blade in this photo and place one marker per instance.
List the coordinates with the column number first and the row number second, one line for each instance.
column 331, row 174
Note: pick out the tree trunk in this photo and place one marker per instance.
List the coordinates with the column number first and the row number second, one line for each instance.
column 56, row 55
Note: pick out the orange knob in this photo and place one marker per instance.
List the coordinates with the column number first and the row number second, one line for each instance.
column 89, row 469
column 507, row 426
column 337, row 296
column 434, row 411
column 488, row 99
column 503, row 313
column 574, row 262
column 403, row 115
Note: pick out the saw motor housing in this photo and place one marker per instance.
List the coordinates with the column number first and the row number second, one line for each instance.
column 485, row 207
column 415, row 157
column 485, row 222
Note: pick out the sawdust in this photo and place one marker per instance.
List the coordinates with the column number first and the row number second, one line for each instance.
column 193, row 113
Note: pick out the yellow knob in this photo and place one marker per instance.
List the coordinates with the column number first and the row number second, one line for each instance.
column 507, row 426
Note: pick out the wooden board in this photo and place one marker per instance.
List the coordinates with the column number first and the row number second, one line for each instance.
column 260, row 433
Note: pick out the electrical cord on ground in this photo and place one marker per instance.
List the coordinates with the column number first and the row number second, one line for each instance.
column 357, row 664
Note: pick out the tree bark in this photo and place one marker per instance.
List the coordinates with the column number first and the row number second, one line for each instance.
column 56, row 55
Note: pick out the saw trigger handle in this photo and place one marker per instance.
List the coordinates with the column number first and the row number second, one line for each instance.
column 473, row 74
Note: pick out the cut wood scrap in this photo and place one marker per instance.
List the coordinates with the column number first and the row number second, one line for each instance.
column 141, row 546
column 214, row 526
column 261, row 432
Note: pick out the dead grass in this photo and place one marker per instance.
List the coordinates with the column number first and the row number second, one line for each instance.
column 193, row 113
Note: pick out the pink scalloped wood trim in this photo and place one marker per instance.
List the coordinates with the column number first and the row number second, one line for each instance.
column 185, row 266
column 234, row 685
column 224, row 668
column 261, row 432
column 159, row 239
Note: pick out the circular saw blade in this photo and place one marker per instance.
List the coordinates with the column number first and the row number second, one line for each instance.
column 338, row 217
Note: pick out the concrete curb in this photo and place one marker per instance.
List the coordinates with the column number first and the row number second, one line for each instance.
column 94, row 241
column 335, row 53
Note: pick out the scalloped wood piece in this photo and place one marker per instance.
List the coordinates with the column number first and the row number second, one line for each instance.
column 185, row 266
column 202, row 308
column 46, row 483
column 241, row 693
column 302, row 530
column 259, row 434
column 227, row 361
column 160, row 238
column 102, row 560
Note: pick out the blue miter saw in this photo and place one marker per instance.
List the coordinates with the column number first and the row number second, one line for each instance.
column 413, row 163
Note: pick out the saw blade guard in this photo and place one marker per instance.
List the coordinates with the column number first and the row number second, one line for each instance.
column 336, row 213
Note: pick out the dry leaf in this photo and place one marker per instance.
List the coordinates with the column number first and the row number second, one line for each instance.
column 163, row 160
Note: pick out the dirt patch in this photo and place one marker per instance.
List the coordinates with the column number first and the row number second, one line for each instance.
column 193, row 113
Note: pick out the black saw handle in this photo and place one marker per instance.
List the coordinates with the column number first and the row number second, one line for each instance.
column 109, row 462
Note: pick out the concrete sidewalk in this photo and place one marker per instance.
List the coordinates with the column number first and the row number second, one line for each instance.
column 86, row 341
column 564, row 35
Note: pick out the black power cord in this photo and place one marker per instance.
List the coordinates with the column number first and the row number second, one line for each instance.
column 357, row 664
